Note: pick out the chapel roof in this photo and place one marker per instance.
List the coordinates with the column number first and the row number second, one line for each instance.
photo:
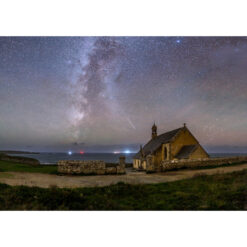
column 156, row 142
column 186, row 151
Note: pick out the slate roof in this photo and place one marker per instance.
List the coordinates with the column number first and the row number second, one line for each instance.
column 155, row 143
column 185, row 151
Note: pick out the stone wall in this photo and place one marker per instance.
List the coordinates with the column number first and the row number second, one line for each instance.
column 121, row 166
column 90, row 167
column 178, row 164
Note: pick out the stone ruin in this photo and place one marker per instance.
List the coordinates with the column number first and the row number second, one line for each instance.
column 90, row 167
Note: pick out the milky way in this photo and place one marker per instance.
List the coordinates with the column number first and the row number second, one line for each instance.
column 104, row 93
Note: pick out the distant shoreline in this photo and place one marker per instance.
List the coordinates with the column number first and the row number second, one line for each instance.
column 17, row 152
column 52, row 158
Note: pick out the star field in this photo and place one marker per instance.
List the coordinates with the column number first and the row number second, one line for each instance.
column 103, row 93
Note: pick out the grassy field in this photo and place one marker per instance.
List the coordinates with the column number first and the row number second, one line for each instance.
column 217, row 192
column 8, row 166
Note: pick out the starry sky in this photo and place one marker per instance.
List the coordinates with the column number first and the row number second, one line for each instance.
column 104, row 93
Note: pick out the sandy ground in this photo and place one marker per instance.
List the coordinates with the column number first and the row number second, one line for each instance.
column 46, row 180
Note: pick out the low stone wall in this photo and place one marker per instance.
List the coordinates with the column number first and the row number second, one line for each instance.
column 179, row 164
column 90, row 167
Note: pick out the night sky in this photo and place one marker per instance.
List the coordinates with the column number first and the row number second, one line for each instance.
column 104, row 93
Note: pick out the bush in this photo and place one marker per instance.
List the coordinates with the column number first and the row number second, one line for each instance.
column 217, row 192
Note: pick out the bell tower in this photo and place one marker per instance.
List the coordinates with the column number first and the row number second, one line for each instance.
column 154, row 131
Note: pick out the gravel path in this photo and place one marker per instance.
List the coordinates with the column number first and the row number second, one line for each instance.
column 46, row 180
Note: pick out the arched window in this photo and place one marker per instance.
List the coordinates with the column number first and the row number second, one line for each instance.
column 165, row 153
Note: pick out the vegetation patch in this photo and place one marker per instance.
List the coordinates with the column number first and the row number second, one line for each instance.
column 216, row 192
column 9, row 166
column 19, row 159
column 6, row 175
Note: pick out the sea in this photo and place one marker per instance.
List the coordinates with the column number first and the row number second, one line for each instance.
column 53, row 158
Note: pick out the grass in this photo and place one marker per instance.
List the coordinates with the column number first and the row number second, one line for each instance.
column 6, row 175
column 217, row 192
column 19, row 159
column 8, row 166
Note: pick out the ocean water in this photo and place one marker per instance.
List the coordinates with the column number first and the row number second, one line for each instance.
column 218, row 155
column 53, row 158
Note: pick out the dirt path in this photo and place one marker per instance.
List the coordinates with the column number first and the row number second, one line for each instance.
column 46, row 180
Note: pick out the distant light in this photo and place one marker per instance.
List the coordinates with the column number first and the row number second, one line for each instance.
column 81, row 152
column 116, row 152
column 126, row 151
column 178, row 41
column 70, row 152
